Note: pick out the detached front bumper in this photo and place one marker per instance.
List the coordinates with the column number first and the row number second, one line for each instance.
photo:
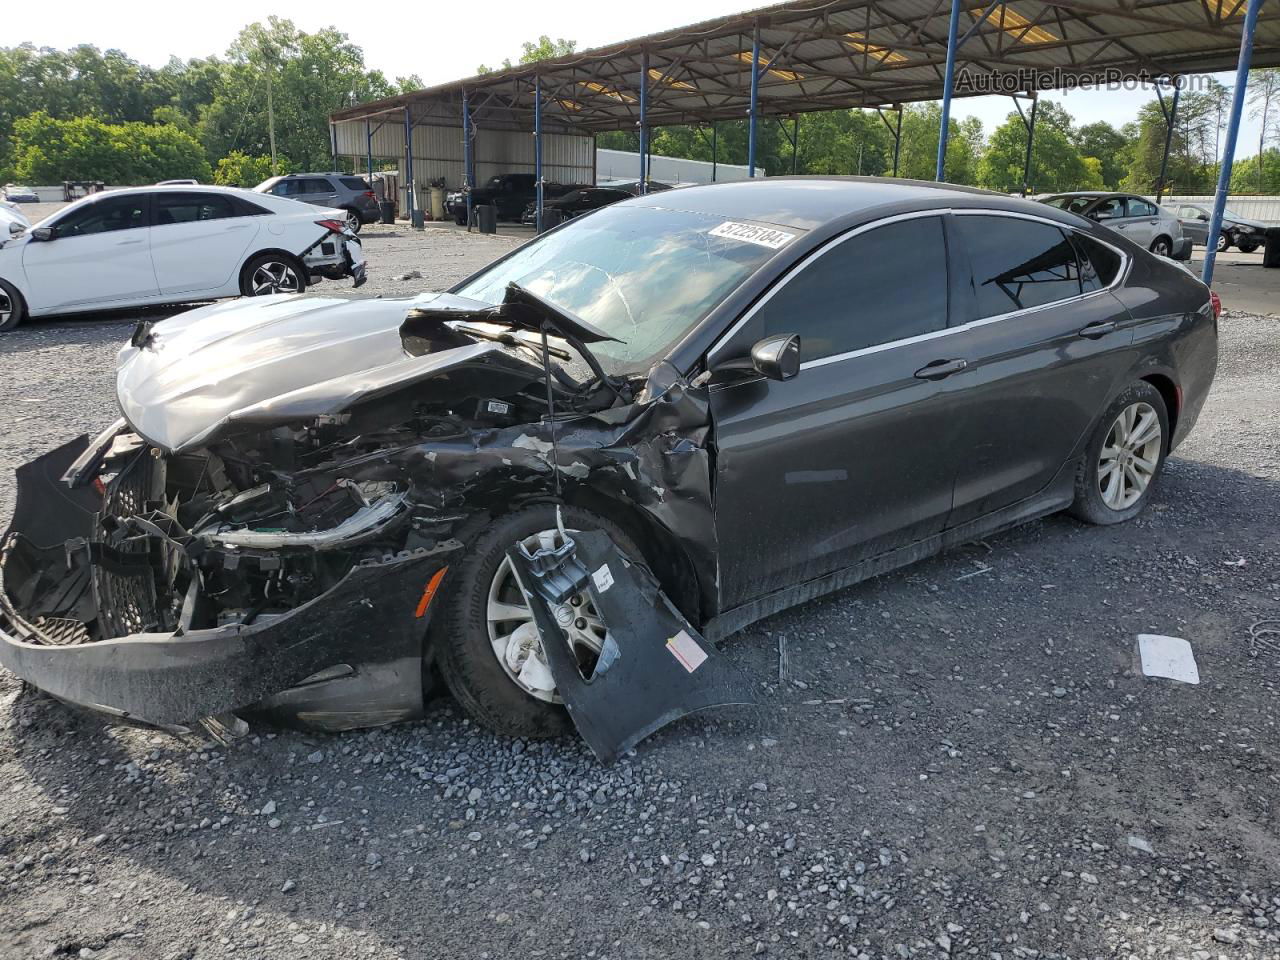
column 352, row 657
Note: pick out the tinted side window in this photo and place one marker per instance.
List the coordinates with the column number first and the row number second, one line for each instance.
column 1109, row 209
column 883, row 285
column 1017, row 263
column 285, row 188
column 316, row 185
column 104, row 216
column 190, row 207
column 355, row 183
column 1099, row 263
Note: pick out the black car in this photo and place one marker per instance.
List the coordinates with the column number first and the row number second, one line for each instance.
column 563, row 481
column 510, row 193
column 574, row 203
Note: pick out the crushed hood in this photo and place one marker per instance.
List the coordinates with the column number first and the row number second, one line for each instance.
column 267, row 361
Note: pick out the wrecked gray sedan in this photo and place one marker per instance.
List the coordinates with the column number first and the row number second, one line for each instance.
column 562, row 482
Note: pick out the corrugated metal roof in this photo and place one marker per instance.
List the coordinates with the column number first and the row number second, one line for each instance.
column 826, row 54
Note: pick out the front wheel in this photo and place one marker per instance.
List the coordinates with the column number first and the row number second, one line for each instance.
column 1248, row 246
column 269, row 273
column 1161, row 246
column 490, row 651
column 1224, row 242
column 12, row 310
column 1123, row 459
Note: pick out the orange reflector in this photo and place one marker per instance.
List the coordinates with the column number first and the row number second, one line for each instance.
column 432, row 586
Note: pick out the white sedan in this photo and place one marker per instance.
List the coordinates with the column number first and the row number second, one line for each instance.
column 156, row 245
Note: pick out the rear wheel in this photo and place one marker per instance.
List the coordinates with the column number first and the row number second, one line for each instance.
column 490, row 652
column 1123, row 459
column 12, row 309
column 354, row 222
column 269, row 273
column 1161, row 246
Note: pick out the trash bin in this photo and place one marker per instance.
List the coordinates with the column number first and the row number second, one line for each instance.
column 419, row 218
column 487, row 218
column 551, row 217
column 387, row 211
column 1271, row 252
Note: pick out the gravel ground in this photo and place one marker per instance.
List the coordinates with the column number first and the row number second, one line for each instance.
column 960, row 758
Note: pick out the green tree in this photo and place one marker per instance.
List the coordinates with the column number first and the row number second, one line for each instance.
column 238, row 169
column 919, row 155
column 1107, row 145
column 1251, row 176
column 1056, row 163
column 1264, row 106
column 47, row 150
column 544, row 48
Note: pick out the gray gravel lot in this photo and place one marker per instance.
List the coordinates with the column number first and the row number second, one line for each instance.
column 958, row 759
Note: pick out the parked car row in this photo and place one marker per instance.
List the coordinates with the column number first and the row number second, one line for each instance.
column 155, row 245
column 1133, row 217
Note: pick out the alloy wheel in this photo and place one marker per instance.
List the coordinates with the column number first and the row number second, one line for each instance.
column 353, row 221
column 1130, row 456
column 6, row 309
column 1224, row 242
column 274, row 276
column 516, row 643
column 1160, row 248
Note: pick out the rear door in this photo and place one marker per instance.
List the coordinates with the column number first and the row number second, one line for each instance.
column 1141, row 221
column 855, row 455
column 1045, row 346
column 198, row 240
column 101, row 253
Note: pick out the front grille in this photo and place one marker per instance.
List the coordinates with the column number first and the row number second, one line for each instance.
column 127, row 603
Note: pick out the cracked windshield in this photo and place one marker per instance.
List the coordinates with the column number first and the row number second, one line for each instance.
column 643, row 275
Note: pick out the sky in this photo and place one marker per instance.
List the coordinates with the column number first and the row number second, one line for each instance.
column 446, row 41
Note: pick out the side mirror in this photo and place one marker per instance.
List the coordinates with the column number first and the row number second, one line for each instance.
column 777, row 358
column 43, row 233
column 1203, row 216
column 15, row 228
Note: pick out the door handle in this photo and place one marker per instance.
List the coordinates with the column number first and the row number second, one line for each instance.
column 1096, row 330
column 939, row 369
column 125, row 243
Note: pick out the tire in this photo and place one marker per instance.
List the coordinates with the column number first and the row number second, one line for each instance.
column 1096, row 499
column 1224, row 242
column 1248, row 246
column 460, row 219
column 1162, row 246
column 463, row 644
column 354, row 223
column 12, row 309
column 256, row 277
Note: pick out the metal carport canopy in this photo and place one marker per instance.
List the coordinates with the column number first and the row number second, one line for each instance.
column 847, row 53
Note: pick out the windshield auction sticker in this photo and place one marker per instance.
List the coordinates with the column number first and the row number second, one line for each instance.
column 753, row 233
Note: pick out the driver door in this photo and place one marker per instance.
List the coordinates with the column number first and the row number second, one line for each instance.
column 854, row 456
column 100, row 254
column 1195, row 224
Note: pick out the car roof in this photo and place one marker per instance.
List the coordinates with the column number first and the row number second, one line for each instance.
column 811, row 202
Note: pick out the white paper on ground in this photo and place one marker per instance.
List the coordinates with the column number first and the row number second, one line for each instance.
column 1168, row 657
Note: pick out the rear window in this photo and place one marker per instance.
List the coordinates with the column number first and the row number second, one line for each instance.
column 355, row 183
column 1099, row 264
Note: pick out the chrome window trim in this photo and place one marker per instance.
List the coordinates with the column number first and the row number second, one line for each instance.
column 1125, row 263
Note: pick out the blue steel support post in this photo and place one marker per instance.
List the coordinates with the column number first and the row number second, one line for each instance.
column 948, row 83
column 714, row 160
column 466, row 153
column 755, row 97
column 1233, row 130
column 408, row 161
column 643, row 186
column 368, row 147
column 537, row 150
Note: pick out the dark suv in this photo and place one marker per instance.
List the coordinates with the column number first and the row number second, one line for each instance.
column 509, row 192
column 341, row 191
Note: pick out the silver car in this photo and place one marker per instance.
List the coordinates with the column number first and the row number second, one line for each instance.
column 1237, row 231
column 1138, row 219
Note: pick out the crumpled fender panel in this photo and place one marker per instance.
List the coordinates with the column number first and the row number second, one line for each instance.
column 654, row 667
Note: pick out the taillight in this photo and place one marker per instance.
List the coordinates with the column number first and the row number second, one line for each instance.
column 1215, row 301
column 371, row 195
column 337, row 226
